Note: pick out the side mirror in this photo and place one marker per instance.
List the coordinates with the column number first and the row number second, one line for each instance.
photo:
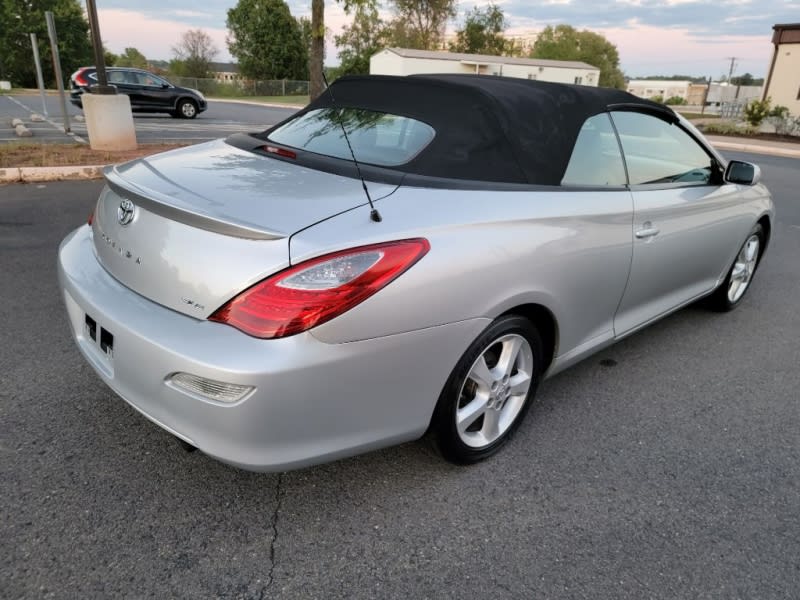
column 741, row 172
column 164, row 86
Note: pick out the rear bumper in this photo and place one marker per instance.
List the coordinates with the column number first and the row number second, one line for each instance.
column 313, row 402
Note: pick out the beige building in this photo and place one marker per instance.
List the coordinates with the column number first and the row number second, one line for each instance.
column 666, row 88
column 402, row 61
column 783, row 79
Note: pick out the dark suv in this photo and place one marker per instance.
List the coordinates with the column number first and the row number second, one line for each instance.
column 148, row 92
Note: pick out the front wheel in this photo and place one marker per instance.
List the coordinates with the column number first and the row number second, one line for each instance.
column 186, row 109
column 489, row 391
column 731, row 291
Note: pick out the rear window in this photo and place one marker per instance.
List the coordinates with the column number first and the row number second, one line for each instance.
column 377, row 138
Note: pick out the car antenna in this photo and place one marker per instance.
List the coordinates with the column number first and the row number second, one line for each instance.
column 374, row 214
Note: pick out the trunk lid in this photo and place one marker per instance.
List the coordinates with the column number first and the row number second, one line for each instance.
column 191, row 228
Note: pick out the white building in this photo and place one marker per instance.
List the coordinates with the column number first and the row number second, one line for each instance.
column 650, row 88
column 402, row 61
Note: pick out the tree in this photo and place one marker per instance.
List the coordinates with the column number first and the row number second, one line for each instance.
column 18, row 18
column 131, row 57
column 196, row 52
column 109, row 58
column 304, row 24
column 360, row 40
column 266, row 40
column 420, row 24
column 564, row 42
column 482, row 32
column 746, row 79
column 316, row 54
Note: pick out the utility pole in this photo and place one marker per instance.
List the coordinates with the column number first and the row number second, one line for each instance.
column 733, row 65
column 705, row 96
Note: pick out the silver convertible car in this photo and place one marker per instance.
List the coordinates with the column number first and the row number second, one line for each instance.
column 404, row 255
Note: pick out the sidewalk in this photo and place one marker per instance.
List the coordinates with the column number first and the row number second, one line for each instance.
column 31, row 174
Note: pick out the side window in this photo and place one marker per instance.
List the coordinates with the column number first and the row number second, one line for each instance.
column 658, row 152
column 116, row 77
column 147, row 79
column 596, row 159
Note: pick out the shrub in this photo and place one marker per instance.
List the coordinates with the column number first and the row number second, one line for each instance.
column 783, row 122
column 675, row 101
column 659, row 99
column 756, row 111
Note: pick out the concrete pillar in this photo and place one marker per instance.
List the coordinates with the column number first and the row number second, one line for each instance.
column 109, row 121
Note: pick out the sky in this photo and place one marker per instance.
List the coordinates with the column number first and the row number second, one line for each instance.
column 654, row 37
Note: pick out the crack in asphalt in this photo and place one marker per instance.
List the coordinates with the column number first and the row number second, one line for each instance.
column 271, row 577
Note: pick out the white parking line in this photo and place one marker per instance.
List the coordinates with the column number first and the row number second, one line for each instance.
column 61, row 128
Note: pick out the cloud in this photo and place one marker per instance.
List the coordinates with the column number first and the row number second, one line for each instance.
column 123, row 28
column 651, row 35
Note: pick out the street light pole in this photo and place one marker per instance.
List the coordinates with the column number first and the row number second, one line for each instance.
column 102, row 86
column 51, row 31
column 39, row 79
column 109, row 120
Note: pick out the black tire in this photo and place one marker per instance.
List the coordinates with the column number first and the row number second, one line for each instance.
column 186, row 108
column 453, row 396
column 720, row 300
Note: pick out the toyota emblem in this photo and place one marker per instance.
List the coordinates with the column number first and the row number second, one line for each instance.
column 126, row 212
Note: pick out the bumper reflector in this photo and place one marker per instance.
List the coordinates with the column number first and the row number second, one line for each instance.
column 208, row 388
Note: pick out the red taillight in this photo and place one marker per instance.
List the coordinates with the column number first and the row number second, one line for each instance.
column 90, row 220
column 80, row 79
column 279, row 151
column 316, row 291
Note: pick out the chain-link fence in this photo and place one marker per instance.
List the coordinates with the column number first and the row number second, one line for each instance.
column 274, row 87
column 732, row 110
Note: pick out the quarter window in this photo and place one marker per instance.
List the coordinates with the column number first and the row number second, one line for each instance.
column 596, row 159
column 657, row 152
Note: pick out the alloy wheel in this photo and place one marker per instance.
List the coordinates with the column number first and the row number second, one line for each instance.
column 494, row 391
column 743, row 268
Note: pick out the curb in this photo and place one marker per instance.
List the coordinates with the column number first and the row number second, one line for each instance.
column 39, row 174
column 253, row 103
column 757, row 149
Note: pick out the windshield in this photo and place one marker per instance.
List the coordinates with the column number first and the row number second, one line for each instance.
column 377, row 138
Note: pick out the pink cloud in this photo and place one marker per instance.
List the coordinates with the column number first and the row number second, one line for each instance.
column 153, row 37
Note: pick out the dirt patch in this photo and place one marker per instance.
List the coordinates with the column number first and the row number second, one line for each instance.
column 62, row 155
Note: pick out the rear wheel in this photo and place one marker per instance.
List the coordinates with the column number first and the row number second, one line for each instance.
column 489, row 391
column 186, row 109
column 730, row 293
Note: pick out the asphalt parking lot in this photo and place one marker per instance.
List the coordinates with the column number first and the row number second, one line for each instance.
column 221, row 119
column 667, row 466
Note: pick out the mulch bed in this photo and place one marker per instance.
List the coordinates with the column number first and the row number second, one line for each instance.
column 63, row 155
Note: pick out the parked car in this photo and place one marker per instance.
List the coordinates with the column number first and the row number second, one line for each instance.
column 243, row 295
column 148, row 92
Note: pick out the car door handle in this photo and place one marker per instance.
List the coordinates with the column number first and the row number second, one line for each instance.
column 648, row 231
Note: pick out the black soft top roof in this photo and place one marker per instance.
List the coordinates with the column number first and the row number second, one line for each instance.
column 488, row 128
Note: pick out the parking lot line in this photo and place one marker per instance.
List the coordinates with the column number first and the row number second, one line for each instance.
column 61, row 128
